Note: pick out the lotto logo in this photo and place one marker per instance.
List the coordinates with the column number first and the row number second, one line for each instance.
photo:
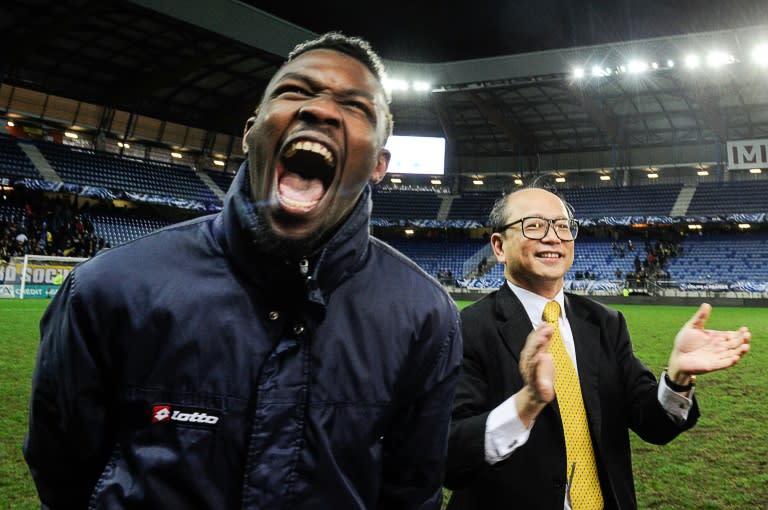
column 164, row 413
column 161, row 413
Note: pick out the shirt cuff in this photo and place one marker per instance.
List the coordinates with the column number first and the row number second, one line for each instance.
column 676, row 405
column 504, row 431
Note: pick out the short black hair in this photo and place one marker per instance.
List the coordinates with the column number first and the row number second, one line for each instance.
column 357, row 48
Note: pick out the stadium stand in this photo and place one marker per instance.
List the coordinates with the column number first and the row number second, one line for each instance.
column 729, row 198
column 473, row 206
column 103, row 169
column 13, row 162
column 439, row 257
column 731, row 258
column 222, row 179
column 405, row 205
column 117, row 229
column 628, row 201
column 723, row 257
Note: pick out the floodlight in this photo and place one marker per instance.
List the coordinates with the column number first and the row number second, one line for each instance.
column 760, row 55
column 10, row 123
column 744, row 226
column 637, row 66
column 755, row 170
column 436, row 182
column 421, row 86
column 692, row 61
column 702, row 173
column 598, row 71
column 652, row 175
column 560, row 179
column 218, row 162
column 605, row 177
column 518, row 182
column 396, row 180
column 477, row 182
column 670, row 63
column 578, row 73
column 395, row 85
column 177, row 155
column 70, row 134
column 719, row 58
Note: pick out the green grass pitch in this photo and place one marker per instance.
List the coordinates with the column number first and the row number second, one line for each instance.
column 721, row 464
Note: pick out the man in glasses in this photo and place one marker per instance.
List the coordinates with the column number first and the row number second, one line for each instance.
column 550, row 386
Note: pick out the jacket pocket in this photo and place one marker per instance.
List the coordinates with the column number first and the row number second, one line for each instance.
column 174, row 450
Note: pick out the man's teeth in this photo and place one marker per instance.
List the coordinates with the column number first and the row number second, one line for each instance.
column 298, row 203
column 306, row 145
column 550, row 255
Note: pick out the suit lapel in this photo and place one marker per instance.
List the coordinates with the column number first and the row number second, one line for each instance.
column 586, row 337
column 513, row 321
column 514, row 326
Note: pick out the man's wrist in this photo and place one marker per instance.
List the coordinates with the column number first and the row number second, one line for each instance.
column 679, row 383
column 528, row 404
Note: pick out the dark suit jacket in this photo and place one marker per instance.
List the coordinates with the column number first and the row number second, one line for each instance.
column 620, row 393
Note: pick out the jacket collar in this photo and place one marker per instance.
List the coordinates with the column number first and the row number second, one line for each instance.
column 332, row 263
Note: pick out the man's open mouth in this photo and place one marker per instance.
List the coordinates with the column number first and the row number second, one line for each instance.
column 304, row 174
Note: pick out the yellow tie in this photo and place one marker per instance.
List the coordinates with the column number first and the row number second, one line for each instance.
column 585, row 493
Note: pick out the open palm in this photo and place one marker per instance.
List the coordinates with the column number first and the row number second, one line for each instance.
column 698, row 350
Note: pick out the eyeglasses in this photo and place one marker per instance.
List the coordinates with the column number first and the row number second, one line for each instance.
column 536, row 228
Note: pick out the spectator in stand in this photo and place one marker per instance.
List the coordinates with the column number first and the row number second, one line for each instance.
column 273, row 355
column 22, row 242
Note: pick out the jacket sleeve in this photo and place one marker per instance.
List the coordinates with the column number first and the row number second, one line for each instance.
column 415, row 447
column 647, row 417
column 466, row 445
column 66, row 443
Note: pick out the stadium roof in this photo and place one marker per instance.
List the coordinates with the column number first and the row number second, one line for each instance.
column 514, row 108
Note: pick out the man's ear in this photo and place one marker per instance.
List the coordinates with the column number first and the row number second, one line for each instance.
column 382, row 164
column 497, row 244
column 248, row 125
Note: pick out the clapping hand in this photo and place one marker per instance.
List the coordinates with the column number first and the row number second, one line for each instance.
column 537, row 368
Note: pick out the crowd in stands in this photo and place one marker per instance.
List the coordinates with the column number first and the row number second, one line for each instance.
column 48, row 227
column 654, row 263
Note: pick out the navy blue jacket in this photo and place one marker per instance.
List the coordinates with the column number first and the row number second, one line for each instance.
column 188, row 370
